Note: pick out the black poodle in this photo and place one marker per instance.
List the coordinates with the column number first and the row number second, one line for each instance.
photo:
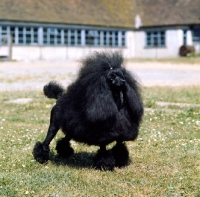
column 101, row 106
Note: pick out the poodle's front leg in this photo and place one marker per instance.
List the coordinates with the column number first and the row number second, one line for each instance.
column 121, row 154
column 63, row 147
column 104, row 159
column 52, row 131
column 41, row 149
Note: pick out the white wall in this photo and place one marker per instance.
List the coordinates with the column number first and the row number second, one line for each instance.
column 4, row 51
column 197, row 47
column 129, row 51
column 189, row 38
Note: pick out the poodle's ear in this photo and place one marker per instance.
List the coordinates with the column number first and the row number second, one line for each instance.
column 100, row 104
column 133, row 98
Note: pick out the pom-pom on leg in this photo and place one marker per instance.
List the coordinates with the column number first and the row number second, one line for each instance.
column 121, row 155
column 41, row 153
column 63, row 148
column 104, row 160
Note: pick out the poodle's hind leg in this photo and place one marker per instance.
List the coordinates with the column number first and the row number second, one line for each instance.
column 41, row 149
column 63, row 147
column 121, row 154
column 104, row 159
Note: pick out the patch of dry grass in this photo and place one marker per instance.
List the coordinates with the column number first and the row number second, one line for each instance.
column 179, row 60
column 26, row 77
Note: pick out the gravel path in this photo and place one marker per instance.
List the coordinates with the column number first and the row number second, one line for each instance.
column 33, row 75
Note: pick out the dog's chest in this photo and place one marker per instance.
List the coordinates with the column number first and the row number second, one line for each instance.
column 119, row 99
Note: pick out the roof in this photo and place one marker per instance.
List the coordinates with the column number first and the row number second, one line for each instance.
column 168, row 12
column 116, row 13
column 112, row 13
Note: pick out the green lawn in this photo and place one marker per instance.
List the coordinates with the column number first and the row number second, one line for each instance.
column 165, row 157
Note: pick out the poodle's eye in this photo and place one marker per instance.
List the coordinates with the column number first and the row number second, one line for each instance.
column 112, row 77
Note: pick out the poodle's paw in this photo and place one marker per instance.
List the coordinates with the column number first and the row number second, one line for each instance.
column 104, row 160
column 41, row 153
column 121, row 155
column 63, row 148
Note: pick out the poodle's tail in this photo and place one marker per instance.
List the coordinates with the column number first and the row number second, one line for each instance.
column 53, row 90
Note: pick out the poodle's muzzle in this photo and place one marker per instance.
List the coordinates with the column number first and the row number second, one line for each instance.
column 116, row 78
column 118, row 82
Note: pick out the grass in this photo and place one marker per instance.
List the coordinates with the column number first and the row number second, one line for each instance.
column 26, row 78
column 165, row 157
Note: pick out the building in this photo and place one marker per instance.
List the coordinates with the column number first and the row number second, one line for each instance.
column 70, row 29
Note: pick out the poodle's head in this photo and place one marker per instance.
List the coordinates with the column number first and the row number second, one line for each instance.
column 103, row 67
column 115, row 78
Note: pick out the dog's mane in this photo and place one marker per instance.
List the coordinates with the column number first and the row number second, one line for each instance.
column 98, row 64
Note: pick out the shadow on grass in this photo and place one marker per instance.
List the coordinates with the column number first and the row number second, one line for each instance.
column 77, row 160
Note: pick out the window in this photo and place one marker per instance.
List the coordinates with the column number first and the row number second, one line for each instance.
column 92, row 38
column 65, row 37
column 74, row 38
column 3, row 32
column 12, row 32
column 109, row 41
column 123, row 39
column 155, row 38
column 196, row 33
column 51, row 36
column 184, row 37
column 105, row 38
column 115, row 38
column 24, row 35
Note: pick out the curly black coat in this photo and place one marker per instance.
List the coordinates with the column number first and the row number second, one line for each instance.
column 101, row 106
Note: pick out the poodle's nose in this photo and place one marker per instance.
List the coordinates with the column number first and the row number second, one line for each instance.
column 118, row 82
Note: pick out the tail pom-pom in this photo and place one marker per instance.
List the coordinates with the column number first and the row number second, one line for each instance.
column 53, row 90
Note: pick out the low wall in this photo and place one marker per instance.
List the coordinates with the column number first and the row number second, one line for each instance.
column 53, row 53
